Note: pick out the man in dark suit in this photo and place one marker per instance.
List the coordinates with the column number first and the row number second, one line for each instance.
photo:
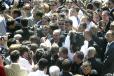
column 108, row 63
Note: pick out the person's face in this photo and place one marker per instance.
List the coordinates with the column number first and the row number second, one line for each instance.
column 73, row 12
column 61, row 54
column 45, row 30
column 27, row 9
column 105, row 16
column 84, row 20
column 109, row 4
column 14, row 15
column 56, row 37
column 53, row 5
column 75, row 58
column 54, row 18
column 87, row 35
column 3, row 40
column 25, row 55
column 108, row 36
column 68, row 26
column 68, row 4
column 86, row 69
column 96, row 17
column 61, row 25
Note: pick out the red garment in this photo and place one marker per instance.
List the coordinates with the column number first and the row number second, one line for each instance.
column 2, row 71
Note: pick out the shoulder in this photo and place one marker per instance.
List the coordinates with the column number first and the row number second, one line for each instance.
column 32, row 74
column 7, row 66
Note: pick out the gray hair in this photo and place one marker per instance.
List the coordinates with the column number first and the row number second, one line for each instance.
column 54, row 71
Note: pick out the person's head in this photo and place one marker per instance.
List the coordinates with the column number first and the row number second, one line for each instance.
column 38, row 55
column 110, row 36
column 14, row 46
column 61, row 24
column 34, row 39
column 63, row 52
column 24, row 51
column 74, row 11
column 56, row 35
column 90, row 6
column 54, row 17
column 91, row 52
column 97, row 4
column 43, row 64
column 68, row 3
column 65, row 11
column 14, row 56
column 66, row 65
column 52, row 5
column 82, row 27
column 105, row 16
column 11, row 23
column 18, row 37
column 54, row 71
column 38, row 14
column 86, row 68
column 27, row 7
column 68, row 24
column 33, row 47
column 16, row 13
column 45, row 7
column 78, row 57
column 45, row 29
column 112, row 26
column 86, row 19
column 54, row 49
column 110, row 3
column 87, row 35
column 45, row 20
column 96, row 17
column 3, row 40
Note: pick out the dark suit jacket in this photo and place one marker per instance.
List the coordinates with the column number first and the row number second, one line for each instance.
column 108, row 63
column 102, row 43
column 96, row 64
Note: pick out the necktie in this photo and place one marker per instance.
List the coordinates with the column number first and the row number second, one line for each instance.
column 107, row 48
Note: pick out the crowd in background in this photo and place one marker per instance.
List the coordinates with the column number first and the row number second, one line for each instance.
column 56, row 38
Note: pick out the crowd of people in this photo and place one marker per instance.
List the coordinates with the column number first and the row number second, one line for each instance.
column 56, row 38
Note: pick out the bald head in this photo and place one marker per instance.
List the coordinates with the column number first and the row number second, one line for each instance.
column 110, row 36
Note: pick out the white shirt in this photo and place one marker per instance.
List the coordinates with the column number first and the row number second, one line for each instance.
column 84, row 48
column 67, row 45
column 37, row 73
column 75, row 20
column 25, row 63
column 90, row 25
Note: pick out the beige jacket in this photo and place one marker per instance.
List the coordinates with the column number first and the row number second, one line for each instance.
column 15, row 70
